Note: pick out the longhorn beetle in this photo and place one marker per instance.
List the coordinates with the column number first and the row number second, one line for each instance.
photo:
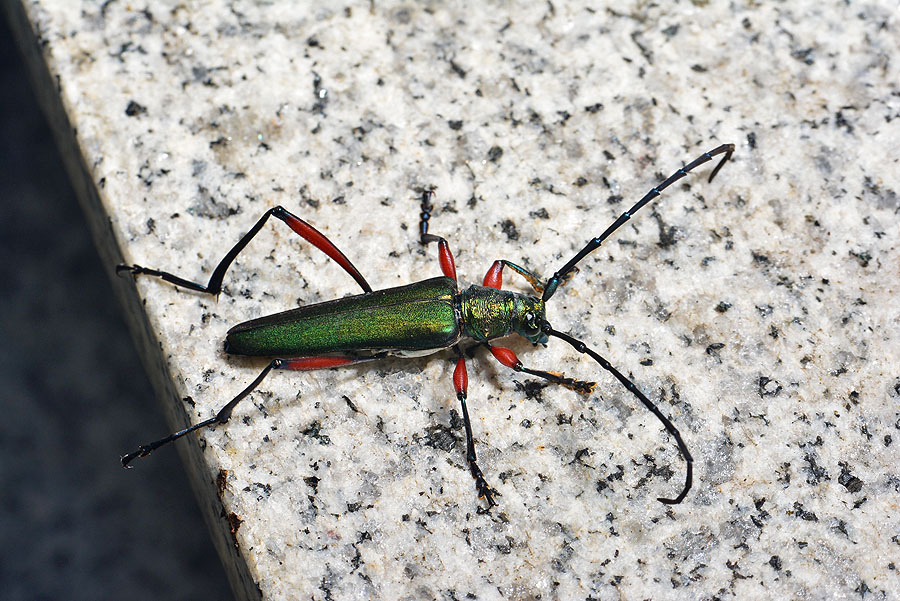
column 415, row 320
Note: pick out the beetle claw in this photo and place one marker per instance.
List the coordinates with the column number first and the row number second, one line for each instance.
column 484, row 490
column 487, row 493
column 132, row 269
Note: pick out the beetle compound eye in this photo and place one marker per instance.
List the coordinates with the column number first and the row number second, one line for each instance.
column 531, row 326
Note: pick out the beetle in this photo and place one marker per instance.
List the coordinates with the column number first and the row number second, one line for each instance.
column 414, row 320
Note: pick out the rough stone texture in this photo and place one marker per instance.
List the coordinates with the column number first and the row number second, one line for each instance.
column 74, row 525
column 757, row 311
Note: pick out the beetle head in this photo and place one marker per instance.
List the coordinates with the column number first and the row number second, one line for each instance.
column 528, row 317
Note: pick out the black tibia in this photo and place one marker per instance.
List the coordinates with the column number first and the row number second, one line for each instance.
column 224, row 414
column 509, row 359
column 445, row 256
column 484, row 490
column 425, row 216
column 214, row 286
column 461, row 384
column 579, row 386
column 220, row 418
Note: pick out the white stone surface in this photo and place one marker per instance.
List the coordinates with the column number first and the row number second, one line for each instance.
column 758, row 311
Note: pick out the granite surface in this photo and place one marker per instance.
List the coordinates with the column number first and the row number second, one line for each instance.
column 757, row 311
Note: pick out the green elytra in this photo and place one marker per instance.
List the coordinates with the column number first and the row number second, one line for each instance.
column 426, row 316
column 413, row 320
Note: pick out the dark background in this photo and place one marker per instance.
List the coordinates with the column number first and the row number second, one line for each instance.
column 74, row 524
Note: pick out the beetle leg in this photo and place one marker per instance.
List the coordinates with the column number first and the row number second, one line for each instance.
column 324, row 361
column 220, row 418
column 302, row 228
column 509, row 359
column 470, row 350
column 448, row 265
column 461, row 384
column 224, row 414
column 494, row 277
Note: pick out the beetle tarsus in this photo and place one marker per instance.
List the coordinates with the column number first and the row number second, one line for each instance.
column 128, row 458
column 579, row 386
column 132, row 269
column 142, row 451
column 484, row 489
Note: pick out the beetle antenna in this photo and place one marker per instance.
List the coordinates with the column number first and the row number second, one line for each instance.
column 594, row 244
column 628, row 384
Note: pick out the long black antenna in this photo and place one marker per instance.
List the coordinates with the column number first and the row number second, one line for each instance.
column 592, row 245
column 670, row 428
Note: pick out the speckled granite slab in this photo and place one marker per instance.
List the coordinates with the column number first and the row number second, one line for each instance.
column 759, row 311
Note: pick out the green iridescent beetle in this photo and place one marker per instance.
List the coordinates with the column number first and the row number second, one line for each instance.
column 415, row 320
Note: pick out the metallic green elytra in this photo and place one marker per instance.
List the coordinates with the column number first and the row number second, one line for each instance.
column 419, row 318
column 416, row 319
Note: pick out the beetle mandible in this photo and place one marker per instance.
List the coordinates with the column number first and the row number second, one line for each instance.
column 415, row 320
